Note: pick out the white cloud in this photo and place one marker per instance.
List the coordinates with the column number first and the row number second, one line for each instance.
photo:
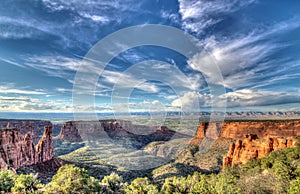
column 11, row 62
column 29, row 104
column 197, row 15
column 240, row 98
column 240, row 60
column 171, row 16
column 5, row 99
column 97, row 18
column 192, row 101
column 7, row 90
column 80, row 28
column 251, row 97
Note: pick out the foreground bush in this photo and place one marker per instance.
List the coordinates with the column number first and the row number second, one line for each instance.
column 141, row 186
column 72, row 179
column 27, row 183
column 113, row 184
column 7, row 180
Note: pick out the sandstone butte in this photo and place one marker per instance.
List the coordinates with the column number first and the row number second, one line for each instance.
column 69, row 131
column 17, row 150
column 254, row 139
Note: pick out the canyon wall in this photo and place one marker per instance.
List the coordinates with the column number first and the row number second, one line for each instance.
column 238, row 129
column 69, row 132
column 122, row 132
column 78, row 130
column 254, row 139
column 251, row 147
column 17, row 150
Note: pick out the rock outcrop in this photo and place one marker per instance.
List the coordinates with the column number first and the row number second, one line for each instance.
column 238, row 129
column 17, row 151
column 251, row 147
column 45, row 147
column 35, row 127
column 69, row 132
column 266, row 137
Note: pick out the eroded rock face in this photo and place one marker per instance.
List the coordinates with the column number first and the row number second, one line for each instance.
column 30, row 155
column 45, row 147
column 35, row 127
column 69, row 131
column 238, row 129
column 251, row 147
column 205, row 129
column 266, row 137
column 121, row 132
column 17, row 151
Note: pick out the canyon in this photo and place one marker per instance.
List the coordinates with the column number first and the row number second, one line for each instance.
column 122, row 132
column 26, row 145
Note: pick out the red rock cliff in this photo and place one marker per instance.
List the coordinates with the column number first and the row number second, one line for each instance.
column 238, row 129
column 45, row 147
column 252, row 147
column 69, row 131
column 269, row 136
column 17, row 151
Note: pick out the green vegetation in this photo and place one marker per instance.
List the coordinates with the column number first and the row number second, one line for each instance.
column 113, row 184
column 7, row 179
column 141, row 185
column 279, row 172
column 27, row 183
column 72, row 179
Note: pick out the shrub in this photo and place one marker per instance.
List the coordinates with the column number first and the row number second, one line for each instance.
column 295, row 186
column 113, row 184
column 7, row 179
column 26, row 183
column 141, row 186
column 72, row 179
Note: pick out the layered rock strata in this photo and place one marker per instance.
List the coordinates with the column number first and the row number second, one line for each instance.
column 17, row 151
column 122, row 132
column 69, row 131
column 238, row 129
column 251, row 147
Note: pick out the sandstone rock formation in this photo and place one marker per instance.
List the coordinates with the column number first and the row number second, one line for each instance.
column 69, row 132
column 267, row 137
column 17, row 151
column 45, row 147
column 122, row 132
column 35, row 127
column 251, row 147
column 205, row 129
column 238, row 129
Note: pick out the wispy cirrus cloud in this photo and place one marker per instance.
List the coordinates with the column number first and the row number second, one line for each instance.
column 245, row 61
column 81, row 27
column 15, row 99
column 137, row 76
column 9, row 90
column 197, row 15
column 9, row 61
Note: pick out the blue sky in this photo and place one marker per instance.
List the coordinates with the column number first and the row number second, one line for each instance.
column 255, row 43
